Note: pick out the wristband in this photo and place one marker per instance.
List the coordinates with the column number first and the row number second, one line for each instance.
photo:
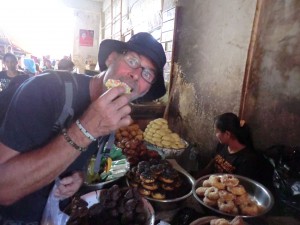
column 84, row 131
column 71, row 142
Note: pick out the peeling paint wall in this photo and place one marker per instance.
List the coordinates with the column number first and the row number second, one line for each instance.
column 212, row 43
column 273, row 100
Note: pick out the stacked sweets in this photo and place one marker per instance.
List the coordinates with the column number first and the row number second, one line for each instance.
column 155, row 178
column 158, row 133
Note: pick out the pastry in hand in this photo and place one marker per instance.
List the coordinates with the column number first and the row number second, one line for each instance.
column 110, row 83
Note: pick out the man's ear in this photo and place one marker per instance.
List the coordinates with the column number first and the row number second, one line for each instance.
column 111, row 58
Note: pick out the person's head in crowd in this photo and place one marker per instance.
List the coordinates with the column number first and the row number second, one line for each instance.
column 47, row 64
column 228, row 126
column 65, row 64
column 30, row 67
column 10, row 61
column 141, row 59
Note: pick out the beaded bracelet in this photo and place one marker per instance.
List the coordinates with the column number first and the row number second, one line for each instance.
column 84, row 131
column 71, row 142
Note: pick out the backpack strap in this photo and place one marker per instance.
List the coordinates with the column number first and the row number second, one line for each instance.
column 67, row 113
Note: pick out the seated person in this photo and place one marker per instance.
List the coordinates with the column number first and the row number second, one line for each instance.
column 235, row 153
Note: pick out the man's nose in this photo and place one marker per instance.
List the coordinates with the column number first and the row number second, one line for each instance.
column 136, row 73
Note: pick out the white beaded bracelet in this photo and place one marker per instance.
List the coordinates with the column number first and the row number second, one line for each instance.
column 84, row 131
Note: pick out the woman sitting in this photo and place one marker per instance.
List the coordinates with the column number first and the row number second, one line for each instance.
column 235, row 153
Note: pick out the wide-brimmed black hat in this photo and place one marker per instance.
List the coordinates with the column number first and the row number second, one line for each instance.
column 144, row 44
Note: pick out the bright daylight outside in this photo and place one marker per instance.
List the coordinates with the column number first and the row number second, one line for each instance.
column 36, row 28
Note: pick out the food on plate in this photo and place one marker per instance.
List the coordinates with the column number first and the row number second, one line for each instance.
column 227, row 195
column 221, row 221
column 115, row 206
column 158, row 133
column 110, row 83
column 157, row 179
column 130, row 140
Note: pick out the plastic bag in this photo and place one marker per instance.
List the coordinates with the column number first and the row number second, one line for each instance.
column 52, row 214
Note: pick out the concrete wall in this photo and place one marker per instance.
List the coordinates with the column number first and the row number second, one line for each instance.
column 239, row 56
column 87, row 15
column 272, row 103
column 211, row 49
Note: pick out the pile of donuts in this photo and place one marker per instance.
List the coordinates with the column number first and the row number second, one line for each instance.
column 130, row 140
column 116, row 206
column 226, row 194
column 221, row 221
column 158, row 133
column 154, row 178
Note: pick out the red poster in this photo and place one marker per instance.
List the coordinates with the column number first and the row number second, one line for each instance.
column 86, row 37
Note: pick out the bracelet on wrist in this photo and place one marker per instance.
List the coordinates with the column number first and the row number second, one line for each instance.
column 84, row 131
column 71, row 142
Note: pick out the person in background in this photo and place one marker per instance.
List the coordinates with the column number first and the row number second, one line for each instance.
column 38, row 69
column 33, row 154
column 47, row 65
column 66, row 64
column 30, row 67
column 11, row 62
column 235, row 153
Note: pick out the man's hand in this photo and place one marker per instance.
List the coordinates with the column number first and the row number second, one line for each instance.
column 107, row 113
column 68, row 186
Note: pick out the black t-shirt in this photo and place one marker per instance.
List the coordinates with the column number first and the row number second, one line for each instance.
column 245, row 162
column 28, row 125
column 5, row 80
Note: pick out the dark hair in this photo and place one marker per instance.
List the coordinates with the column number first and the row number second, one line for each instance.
column 65, row 64
column 7, row 55
column 231, row 122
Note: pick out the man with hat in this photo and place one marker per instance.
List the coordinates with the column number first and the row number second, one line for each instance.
column 33, row 154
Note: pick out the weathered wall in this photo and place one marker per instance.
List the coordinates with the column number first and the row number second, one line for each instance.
column 212, row 43
column 87, row 16
column 273, row 99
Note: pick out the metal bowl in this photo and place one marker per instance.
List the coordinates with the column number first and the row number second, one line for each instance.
column 170, row 203
column 168, row 153
column 257, row 191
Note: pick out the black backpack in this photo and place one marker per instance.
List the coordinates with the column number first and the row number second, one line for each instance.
column 67, row 113
column 286, row 178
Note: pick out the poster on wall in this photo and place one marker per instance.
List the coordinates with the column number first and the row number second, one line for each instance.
column 86, row 37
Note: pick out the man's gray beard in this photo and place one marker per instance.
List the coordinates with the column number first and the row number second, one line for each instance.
column 137, row 97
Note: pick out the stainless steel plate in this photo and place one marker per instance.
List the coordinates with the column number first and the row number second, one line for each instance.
column 257, row 191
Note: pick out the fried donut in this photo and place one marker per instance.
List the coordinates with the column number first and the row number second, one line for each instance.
column 216, row 182
column 219, row 222
column 167, row 187
column 226, row 195
column 168, row 176
column 200, row 191
column 156, row 169
column 144, row 191
column 210, row 202
column 147, row 177
column 225, row 206
column 206, row 183
column 110, row 83
column 150, row 186
column 158, row 194
column 212, row 193
column 242, row 199
column 234, row 210
column 249, row 209
column 237, row 190
column 229, row 180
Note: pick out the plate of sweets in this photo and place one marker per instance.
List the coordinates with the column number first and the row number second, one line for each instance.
column 233, row 195
column 158, row 136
